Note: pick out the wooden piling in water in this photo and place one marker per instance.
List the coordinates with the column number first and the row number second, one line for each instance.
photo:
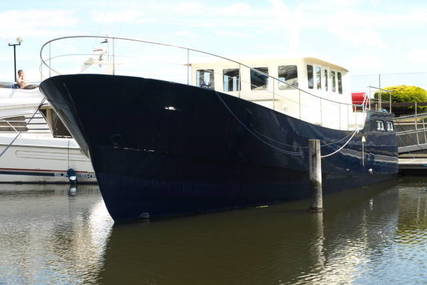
column 315, row 172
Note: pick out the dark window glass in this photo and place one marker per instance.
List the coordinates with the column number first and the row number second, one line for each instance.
column 13, row 124
column 333, row 81
column 288, row 74
column 231, row 79
column 310, row 76
column 339, row 82
column 326, row 80
column 258, row 80
column 205, row 78
column 318, row 77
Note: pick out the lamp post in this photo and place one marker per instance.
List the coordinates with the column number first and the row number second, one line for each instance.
column 18, row 43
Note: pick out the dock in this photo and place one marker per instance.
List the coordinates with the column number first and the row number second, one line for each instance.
column 412, row 164
column 411, row 134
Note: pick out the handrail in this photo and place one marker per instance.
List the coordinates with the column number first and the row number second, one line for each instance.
column 183, row 48
column 389, row 96
column 58, row 56
column 408, row 132
column 420, row 115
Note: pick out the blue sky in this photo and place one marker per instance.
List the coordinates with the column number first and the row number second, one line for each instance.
column 365, row 36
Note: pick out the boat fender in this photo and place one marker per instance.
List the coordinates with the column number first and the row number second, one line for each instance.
column 72, row 176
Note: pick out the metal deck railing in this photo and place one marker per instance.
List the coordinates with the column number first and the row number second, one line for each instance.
column 126, row 56
column 411, row 132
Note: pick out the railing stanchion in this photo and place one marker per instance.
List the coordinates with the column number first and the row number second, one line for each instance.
column 424, row 131
column 379, row 95
column 321, row 113
column 188, row 66
column 349, row 107
column 416, row 122
column 299, row 104
column 369, row 97
column 114, row 59
column 389, row 99
column 274, row 97
column 355, row 120
column 50, row 56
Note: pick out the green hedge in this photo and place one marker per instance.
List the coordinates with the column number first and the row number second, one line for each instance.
column 404, row 94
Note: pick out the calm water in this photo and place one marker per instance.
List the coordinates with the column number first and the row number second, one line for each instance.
column 375, row 235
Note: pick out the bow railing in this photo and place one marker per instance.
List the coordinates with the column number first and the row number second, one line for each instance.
column 134, row 57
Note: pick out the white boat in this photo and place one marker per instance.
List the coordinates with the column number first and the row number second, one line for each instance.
column 34, row 145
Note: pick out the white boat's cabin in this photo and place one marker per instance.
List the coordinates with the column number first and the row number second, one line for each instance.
column 306, row 88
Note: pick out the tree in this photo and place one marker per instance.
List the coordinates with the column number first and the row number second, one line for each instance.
column 404, row 94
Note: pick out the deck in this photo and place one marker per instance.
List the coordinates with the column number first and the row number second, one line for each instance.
column 411, row 134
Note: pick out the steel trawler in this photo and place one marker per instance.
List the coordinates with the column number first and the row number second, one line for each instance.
column 226, row 134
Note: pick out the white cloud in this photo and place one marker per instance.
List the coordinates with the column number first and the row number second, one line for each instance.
column 233, row 34
column 364, row 63
column 417, row 56
column 190, row 8
column 289, row 24
column 122, row 16
column 184, row 34
column 34, row 23
column 237, row 9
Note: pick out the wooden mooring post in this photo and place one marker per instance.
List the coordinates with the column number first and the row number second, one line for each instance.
column 315, row 172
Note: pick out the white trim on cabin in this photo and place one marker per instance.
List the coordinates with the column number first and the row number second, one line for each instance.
column 330, row 108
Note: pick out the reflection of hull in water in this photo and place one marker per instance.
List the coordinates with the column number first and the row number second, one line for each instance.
column 281, row 244
column 162, row 148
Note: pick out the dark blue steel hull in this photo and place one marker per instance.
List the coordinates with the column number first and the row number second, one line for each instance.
column 161, row 148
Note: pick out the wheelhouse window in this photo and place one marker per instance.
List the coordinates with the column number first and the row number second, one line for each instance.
column 318, row 78
column 259, row 81
column 231, row 79
column 390, row 127
column 310, row 76
column 326, row 79
column 288, row 74
column 333, row 81
column 380, row 126
column 205, row 78
column 339, row 82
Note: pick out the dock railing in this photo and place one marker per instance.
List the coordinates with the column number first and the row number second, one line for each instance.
column 133, row 57
column 378, row 102
column 411, row 132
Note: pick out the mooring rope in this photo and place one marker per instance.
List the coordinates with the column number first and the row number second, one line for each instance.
column 254, row 133
column 259, row 136
column 343, row 146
